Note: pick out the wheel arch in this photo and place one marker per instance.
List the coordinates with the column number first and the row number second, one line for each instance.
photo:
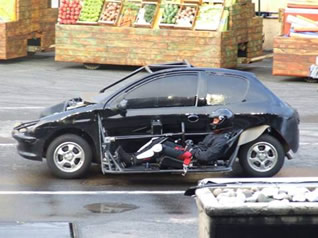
column 74, row 131
column 255, row 132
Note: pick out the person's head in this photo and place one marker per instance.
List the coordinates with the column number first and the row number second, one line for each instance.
column 221, row 119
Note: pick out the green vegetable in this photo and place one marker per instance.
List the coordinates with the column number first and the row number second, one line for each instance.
column 149, row 12
column 91, row 10
column 169, row 14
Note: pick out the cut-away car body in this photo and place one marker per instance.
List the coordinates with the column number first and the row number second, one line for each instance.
column 171, row 101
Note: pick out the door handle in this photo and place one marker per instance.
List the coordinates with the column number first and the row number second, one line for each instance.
column 193, row 118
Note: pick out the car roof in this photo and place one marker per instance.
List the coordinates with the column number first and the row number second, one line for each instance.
column 186, row 66
column 155, row 69
column 213, row 70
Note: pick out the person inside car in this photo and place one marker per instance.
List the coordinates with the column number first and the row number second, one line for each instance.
column 209, row 150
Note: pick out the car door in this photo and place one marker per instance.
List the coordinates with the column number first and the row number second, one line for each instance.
column 157, row 105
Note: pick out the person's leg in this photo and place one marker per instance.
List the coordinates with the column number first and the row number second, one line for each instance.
column 177, row 153
column 171, row 144
column 125, row 157
column 169, row 150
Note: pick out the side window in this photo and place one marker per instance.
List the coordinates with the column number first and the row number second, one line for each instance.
column 225, row 89
column 176, row 90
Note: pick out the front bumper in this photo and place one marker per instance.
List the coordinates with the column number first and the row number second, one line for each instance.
column 28, row 147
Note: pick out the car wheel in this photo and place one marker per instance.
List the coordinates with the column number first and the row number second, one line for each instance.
column 69, row 156
column 311, row 80
column 263, row 157
column 92, row 66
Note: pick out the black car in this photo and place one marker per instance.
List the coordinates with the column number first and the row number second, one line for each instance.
column 171, row 101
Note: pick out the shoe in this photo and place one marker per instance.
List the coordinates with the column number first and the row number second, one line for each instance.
column 124, row 157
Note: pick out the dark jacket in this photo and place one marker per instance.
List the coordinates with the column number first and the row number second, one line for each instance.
column 211, row 148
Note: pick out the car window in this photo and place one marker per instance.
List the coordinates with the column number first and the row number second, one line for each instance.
column 258, row 93
column 173, row 90
column 225, row 89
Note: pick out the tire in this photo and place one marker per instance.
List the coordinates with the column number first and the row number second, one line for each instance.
column 30, row 53
column 311, row 80
column 263, row 157
column 92, row 66
column 69, row 156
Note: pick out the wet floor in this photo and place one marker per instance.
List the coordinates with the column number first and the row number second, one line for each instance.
column 23, row 95
column 106, row 208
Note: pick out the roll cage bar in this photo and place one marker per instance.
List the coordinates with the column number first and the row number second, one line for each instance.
column 151, row 68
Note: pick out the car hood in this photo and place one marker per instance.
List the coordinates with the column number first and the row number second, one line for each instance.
column 69, row 105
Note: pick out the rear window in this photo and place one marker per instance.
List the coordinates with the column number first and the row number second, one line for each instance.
column 225, row 89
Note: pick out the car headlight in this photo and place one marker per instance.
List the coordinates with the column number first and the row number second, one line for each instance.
column 27, row 127
column 23, row 130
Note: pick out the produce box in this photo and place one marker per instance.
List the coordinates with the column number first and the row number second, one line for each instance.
column 130, row 10
column 209, row 17
column 198, row 2
column 90, row 11
column 186, row 16
column 69, row 12
column 111, row 12
column 8, row 10
column 147, row 14
column 219, row 37
column 169, row 15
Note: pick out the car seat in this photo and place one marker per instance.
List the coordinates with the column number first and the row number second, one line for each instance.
column 170, row 162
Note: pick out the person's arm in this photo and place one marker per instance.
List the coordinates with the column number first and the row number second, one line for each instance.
column 214, row 152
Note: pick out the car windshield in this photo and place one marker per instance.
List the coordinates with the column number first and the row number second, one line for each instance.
column 142, row 72
column 114, row 86
column 125, row 81
column 133, row 77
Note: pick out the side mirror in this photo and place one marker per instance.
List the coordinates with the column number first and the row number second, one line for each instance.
column 122, row 107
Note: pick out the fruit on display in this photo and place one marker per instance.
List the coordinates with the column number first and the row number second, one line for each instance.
column 186, row 16
column 91, row 10
column 209, row 17
column 146, row 14
column 69, row 11
column 110, row 12
column 169, row 15
column 129, row 14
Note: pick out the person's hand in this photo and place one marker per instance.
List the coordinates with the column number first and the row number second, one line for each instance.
column 185, row 169
column 189, row 142
column 189, row 145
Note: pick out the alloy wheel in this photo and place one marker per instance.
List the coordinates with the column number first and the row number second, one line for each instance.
column 69, row 157
column 262, row 156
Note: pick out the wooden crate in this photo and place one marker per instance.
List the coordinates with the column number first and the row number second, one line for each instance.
column 87, row 44
column 293, row 56
column 34, row 20
column 247, row 28
column 140, row 46
column 147, row 25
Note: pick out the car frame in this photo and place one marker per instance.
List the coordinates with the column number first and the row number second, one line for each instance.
column 92, row 131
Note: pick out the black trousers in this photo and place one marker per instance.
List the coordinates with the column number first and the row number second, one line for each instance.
column 169, row 148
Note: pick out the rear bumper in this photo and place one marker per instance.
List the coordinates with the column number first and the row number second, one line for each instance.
column 289, row 155
column 291, row 131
